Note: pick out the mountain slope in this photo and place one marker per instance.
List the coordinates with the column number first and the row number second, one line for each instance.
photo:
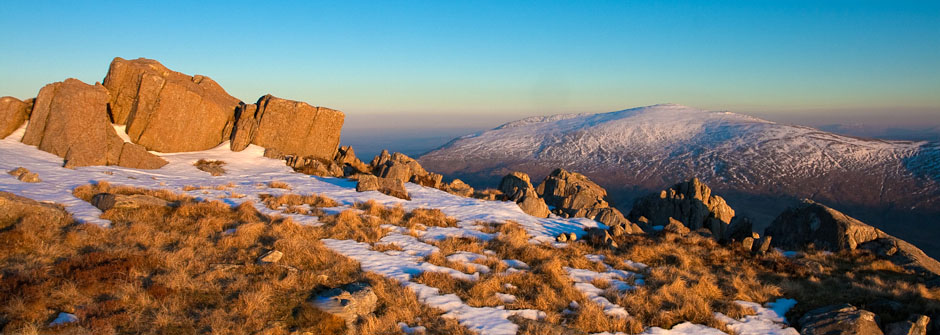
column 759, row 166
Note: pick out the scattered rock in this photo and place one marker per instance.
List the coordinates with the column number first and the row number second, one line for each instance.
column 690, row 202
column 168, row 111
column 346, row 157
column 458, row 187
column 839, row 319
column 13, row 113
column 400, row 166
column 292, row 127
column 70, row 120
column 315, row 166
column 563, row 237
column 389, row 186
column 349, row 302
column 916, row 325
column 599, row 237
column 747, row 243
column 762, row 245
column 106, row 201
column 270, row 257
column 24, row 175
column 676, row 227
column 574, row 195
column 516, row 187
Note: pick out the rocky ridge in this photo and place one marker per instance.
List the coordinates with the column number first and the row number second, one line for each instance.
column 163, row 111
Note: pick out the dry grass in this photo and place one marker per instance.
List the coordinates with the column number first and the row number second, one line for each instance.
column 174, row 270
column 278, row 184
column 213, row 167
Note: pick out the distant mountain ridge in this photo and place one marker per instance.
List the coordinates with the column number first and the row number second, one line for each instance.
column 759, row 166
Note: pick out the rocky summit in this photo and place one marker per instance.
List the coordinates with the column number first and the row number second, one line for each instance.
column 690, row 202
column 163, row 111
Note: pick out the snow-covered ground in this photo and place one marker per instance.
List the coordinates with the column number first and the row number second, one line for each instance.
column 248, row 172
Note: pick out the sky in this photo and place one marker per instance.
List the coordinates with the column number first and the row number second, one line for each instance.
column 479, row 63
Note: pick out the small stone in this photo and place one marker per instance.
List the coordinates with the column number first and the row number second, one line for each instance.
column 572, row 237
column 562, row 238
column 24, row 175
column 63, row 318
column 748, row 243
column 270, row 257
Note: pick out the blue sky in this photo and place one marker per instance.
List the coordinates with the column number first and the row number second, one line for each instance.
column 832, row 59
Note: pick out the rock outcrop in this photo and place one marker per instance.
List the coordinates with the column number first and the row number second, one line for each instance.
column 400, row 166
column 13, row 113
column 389, row 186
column 811, row 223
column 348, row 302
column 690, row 202
column 70, row 120
column 346, row 157
column 168, row 111
column 824, row 227
column 291, row 127
column 839, row 320
column 458, row 187
column 574, row 195
column 518, row 188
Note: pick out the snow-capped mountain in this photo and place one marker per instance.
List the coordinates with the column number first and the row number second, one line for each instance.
column 754, row 163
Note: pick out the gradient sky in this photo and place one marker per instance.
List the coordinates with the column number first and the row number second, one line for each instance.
column 844, row 60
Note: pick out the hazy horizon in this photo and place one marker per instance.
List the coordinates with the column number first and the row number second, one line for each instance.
column 806, row 62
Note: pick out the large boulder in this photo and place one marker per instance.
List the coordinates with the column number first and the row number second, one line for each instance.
column 291, row 127
column 690, row 202
column 70, row 120
column 13, row 208
column 168, row 111
column 13, row 113
column 838, row 320
column 574, row 195
column 812, row 223
column 518, row 188
column 824, row 227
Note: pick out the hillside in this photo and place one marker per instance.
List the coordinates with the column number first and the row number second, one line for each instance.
column 760, row 166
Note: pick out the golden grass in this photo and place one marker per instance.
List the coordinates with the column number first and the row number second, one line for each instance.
column 175, row 270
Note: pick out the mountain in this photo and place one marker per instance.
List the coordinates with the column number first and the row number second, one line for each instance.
column 760, row 167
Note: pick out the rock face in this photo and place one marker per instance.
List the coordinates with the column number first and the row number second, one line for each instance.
column 824, row 227
column 690, row 202
column 837, row 320
column 13, row 113
column 516, row 187
column 348, row 302
column 574, row 195
column 70, row 120
column 291, row 127
column 389, row 186
column 168, row 111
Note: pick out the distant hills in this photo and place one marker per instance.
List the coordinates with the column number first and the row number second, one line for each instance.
column 760, row 167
